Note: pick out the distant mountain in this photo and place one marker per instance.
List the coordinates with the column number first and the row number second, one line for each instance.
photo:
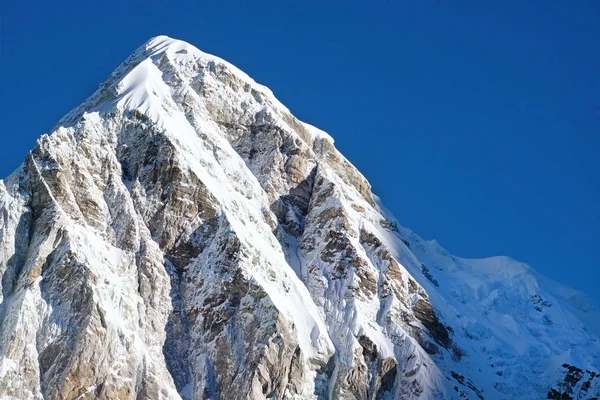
column 182, row 235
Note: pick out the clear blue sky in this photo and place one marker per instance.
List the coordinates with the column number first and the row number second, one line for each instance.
column 478, row 124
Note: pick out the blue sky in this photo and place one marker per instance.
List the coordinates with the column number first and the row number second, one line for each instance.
column 478, row 124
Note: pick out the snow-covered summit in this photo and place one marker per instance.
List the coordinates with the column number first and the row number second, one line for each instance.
column 182, row 235
column 139, row 83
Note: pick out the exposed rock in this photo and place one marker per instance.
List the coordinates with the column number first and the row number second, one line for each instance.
column 182, row 235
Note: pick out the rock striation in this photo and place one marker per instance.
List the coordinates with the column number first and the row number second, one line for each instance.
column 181, row 235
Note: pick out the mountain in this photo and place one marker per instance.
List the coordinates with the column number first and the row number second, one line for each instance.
column 181, row 235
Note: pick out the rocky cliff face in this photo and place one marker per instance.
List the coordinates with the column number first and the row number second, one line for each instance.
column 182, row 235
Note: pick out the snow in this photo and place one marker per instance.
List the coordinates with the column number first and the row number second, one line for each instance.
column 493, row 301
column 7, row 365
column 84, row 395
column 513, row 325
column 318, row 133
column 143, row 90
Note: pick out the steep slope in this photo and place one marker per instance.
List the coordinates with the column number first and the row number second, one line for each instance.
column 182, row 235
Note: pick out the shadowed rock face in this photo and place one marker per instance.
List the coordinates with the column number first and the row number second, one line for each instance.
column 182, row 235
column 576, row 384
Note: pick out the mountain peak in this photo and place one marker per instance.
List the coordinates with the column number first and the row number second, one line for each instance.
column 182, row 235
column 158, row 45
column 164, row 72
column 163, row 41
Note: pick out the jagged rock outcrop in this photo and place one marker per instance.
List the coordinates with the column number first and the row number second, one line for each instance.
column 182, row 235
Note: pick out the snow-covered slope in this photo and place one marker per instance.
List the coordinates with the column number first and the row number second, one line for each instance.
column 182, row 235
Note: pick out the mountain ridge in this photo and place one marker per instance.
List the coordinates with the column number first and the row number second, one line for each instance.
column 185, row 194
